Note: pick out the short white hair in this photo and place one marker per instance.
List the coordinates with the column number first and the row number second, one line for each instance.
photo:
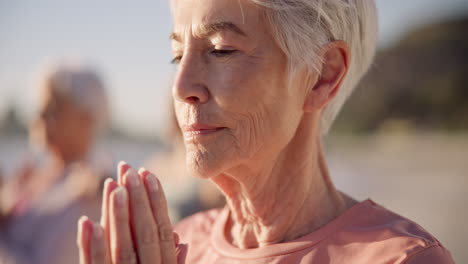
column 81, row 85
column 302, row 27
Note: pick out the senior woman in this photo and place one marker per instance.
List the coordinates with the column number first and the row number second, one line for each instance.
column 258, row 84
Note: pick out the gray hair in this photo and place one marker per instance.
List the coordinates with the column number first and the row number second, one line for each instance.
column 302, row 27
column 82, row 86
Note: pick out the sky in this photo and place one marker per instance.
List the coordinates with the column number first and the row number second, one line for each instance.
column 127, row 41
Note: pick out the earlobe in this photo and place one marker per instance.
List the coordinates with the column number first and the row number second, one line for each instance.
column 317, row 98
column 334, row 68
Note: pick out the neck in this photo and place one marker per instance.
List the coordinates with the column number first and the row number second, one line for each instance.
column 289, row 196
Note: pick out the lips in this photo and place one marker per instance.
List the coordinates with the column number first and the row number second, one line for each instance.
column 200, row 129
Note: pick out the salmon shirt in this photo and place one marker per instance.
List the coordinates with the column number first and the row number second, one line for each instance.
column 365, row 233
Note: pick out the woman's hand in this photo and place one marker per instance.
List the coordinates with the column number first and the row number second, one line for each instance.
column 134, row 226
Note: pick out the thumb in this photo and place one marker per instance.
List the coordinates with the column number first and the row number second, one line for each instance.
column 181, row 252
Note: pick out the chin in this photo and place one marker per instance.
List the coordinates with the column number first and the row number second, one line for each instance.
column 208, row 162
column 202, row 164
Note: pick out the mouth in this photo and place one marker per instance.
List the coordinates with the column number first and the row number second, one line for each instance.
column 198, row 130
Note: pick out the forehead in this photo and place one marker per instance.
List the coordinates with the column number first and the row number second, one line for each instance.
column 193, row 15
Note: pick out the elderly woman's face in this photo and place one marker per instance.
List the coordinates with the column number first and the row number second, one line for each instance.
column 230, row 92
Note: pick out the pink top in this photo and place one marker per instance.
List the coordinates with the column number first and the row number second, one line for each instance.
column 365, row 233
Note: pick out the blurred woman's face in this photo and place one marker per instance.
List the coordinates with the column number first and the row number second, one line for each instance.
column 61, row 126
column 230, row 92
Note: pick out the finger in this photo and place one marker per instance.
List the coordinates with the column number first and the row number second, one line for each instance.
column 145, row 230
column 83, row 239
column 121, row 244
column 176, row 239
column 160, row 213
column 99, row 253
column 109, row 186
column 181, row 251
column 121, row 170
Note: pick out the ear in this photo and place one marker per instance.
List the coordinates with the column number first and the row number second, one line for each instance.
column 336, row 56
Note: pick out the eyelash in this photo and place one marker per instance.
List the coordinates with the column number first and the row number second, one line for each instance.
column 222, row 53
column 217, row 53
column 176, row 60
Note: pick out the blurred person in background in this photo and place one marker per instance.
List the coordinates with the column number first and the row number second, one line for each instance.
column 1, row 180
column 186, row 195
column 42, row 201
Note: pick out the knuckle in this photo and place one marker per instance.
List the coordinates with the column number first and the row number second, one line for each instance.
column 138, row 198
column 98, row 255
column 126, row 256
column 148, row 236
column 165, row 233
column 156, row 199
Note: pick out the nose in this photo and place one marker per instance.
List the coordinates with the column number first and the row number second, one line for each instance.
column 190, row 83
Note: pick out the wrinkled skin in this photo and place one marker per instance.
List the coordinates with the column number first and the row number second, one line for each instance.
column 245, row 128
column 239, row 82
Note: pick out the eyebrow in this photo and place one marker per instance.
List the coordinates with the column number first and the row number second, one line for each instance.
column 210, row 29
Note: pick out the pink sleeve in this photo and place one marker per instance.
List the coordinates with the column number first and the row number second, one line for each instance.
column 432, row 255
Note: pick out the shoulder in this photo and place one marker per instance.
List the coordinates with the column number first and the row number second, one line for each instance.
column 392, row 236
column 436, row 254
column 376, row 217
column 199, row 224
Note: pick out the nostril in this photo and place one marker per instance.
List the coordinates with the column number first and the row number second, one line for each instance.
column 192, row 100
column 190, row 93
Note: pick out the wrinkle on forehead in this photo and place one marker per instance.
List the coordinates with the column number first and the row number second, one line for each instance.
column 192, row 16
column 206, row 30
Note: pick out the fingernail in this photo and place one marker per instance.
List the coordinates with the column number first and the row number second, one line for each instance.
column 80, row 222
column 97, row 231
column 120, row 196
column 108, row 181
column 82, row 219
column 152, row 182
column 123, row 166
column 132, row 178
column 143, row 172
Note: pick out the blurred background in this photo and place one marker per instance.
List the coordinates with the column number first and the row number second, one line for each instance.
column 402, row 138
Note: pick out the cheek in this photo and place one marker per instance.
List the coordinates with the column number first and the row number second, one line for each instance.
column 237, row 82
column 253, row 93
column 265, row 130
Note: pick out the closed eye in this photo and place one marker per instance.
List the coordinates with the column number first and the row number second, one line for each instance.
column 176, row 60
column 216, row 52
column 222, row 53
